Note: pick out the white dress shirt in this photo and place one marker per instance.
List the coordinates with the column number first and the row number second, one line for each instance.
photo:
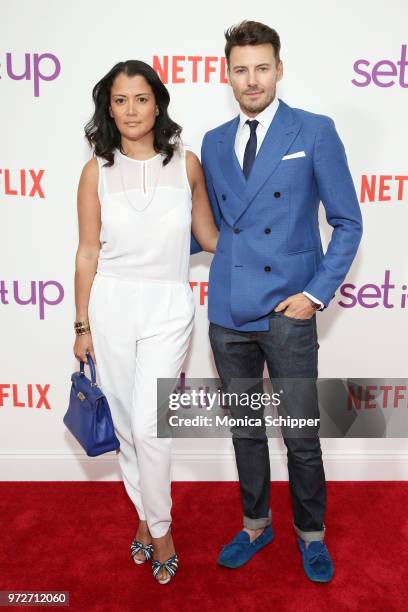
column 241, row 139
column 243, row 131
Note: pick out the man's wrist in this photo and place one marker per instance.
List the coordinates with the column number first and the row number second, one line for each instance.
column 315, row 305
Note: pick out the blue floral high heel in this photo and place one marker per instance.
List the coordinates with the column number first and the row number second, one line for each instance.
column 171, row 566
column 137, row 546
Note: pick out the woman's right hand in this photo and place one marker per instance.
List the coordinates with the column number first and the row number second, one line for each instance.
column 83, row 344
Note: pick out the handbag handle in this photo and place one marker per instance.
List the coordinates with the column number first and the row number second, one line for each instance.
column 91, row 367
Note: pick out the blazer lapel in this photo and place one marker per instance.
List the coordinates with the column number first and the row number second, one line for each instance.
column 231, row 170
column 278, row 139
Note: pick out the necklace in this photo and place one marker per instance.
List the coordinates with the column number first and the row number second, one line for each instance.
column 144, row 179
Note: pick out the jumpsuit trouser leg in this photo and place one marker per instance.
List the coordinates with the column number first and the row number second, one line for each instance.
column 140, row 332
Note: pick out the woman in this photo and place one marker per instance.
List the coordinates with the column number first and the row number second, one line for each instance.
column 138, row 199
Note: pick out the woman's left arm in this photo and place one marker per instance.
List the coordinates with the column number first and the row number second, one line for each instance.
column 203, row 225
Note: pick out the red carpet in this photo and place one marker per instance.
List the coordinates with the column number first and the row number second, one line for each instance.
column 75, row 536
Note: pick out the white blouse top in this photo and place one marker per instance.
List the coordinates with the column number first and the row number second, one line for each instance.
column 146, row 218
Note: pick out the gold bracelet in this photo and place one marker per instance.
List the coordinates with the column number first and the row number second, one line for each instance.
column 81, row 323
column 81, row 333
column 82, row 330
column 82, row 327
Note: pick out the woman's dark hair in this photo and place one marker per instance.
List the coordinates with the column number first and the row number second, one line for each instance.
column 251, row 33
column 101, row 131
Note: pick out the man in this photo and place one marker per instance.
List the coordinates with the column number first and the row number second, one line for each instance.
column 266, row 172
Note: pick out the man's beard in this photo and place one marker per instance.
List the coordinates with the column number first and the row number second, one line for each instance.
column 258, row 107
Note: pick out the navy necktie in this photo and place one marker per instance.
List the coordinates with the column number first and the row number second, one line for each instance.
column 250, row 149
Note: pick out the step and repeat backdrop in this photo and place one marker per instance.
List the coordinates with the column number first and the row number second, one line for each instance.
column 345, row 60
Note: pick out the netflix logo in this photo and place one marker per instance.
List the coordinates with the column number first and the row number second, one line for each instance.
column 200, row 289
column 28, row 396
column 369, row 397
column 21, row 183
column 384, row 188
column 190, row 68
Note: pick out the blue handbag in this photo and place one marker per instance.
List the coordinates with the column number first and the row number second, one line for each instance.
column 88, row 417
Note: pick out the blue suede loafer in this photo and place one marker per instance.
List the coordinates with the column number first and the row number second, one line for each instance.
column 317, row 562
column 241, row 549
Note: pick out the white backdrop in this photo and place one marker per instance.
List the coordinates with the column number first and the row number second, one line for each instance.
column 61, row 50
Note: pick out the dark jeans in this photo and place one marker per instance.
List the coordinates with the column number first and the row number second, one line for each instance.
column 290, row 349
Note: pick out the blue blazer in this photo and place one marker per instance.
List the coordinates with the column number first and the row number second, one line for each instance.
column 269, row 246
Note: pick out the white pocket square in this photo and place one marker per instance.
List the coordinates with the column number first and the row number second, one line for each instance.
column 293, row 155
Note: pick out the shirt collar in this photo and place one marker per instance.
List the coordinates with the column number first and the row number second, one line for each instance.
column 265, row 117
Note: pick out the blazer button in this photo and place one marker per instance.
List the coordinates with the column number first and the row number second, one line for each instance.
column 267, row 268
column 224, row 197
column 267, row 230
column 236, row 230
column 277, row 194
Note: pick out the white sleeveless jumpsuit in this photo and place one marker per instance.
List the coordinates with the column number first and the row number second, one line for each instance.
column 141, row 313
